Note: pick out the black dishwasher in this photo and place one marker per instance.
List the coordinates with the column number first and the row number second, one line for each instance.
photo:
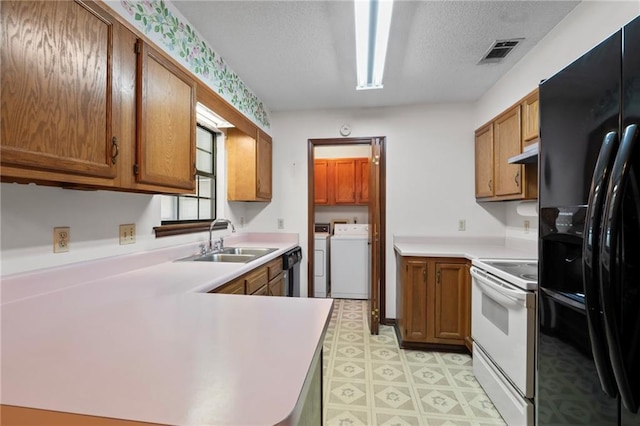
column 291, row 266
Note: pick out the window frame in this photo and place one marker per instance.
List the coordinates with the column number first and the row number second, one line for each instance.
column 187, row 226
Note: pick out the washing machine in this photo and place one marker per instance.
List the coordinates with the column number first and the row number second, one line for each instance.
column 321, row 281
column 350, row 261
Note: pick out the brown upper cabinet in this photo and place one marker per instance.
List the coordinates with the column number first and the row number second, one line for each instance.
column 484, row 161
column 100, row 107
column 166, row 116
column 341, row 181
column 89, row 111
column 248, row 166
column 530, row 119
column 58, row 89
column 499, row 140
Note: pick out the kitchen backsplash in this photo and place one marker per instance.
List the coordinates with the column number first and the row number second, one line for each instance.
column 163, row 24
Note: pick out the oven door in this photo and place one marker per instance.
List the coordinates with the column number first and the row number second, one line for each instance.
column 503, row 325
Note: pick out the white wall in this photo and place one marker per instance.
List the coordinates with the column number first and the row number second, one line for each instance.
column 342, row 151
column 430, row 173
column 587, row 25
column 30, row 212
column 353, row 214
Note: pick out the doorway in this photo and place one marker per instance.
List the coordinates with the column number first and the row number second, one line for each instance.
column 376, row 219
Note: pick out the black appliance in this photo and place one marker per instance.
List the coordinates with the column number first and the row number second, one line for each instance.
column 291, row 266
column 588, row 363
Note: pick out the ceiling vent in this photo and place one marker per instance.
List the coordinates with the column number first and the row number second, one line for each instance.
column 499, row 50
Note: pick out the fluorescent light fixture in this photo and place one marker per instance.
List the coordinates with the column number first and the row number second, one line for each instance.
column 208, row 118
column 373, row 20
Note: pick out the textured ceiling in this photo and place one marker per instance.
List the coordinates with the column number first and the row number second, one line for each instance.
column 300, row 54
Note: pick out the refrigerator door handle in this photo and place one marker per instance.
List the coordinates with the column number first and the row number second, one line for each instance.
column 590, row 265
column 609, row 261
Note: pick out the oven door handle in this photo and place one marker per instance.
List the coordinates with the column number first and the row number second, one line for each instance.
column 499, row 291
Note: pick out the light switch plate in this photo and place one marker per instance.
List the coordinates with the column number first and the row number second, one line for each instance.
column 127, row 234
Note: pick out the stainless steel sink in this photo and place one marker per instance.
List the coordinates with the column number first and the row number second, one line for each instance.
column 224, row 257
column 248, row 250
column 230, row 254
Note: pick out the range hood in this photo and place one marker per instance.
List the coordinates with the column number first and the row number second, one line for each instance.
column 530, row 155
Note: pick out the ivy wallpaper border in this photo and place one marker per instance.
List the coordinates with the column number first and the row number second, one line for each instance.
column 158, row 20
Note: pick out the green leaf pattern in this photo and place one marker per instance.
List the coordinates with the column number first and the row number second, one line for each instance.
column 181, row 40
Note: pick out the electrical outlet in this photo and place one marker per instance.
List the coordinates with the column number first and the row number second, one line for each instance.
column 527, row 225
column 462, row 225
column 127, row 234
column 241, row 221
column 61, row 239
column 280, row 223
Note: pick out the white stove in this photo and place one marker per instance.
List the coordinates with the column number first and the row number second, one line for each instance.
column 522, row 273
column 503, row 313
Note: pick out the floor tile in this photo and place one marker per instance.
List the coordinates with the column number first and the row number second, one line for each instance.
column 369, row 380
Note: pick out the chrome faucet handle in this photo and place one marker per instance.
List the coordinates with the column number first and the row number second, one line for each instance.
column 203, row 249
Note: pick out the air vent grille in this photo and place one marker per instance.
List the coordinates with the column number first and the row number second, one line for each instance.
column 499, row 50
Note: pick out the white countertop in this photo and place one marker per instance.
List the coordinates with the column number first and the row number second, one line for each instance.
column 470, row 248
column 145, row 345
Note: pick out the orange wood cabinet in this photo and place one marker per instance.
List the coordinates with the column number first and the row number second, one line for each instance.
column 341, row 181
column 321, row 181
column 497, row 141
column 90, row 111
column 508, row 177
column 484, row 161
column 234, row 287
column 249, row 166
column 530, row 118
column 266, row 279
column 433, row 302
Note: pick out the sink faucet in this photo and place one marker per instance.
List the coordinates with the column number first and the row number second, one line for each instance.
column 213, row 224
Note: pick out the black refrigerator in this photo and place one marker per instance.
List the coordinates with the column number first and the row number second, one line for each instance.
column 588, row 347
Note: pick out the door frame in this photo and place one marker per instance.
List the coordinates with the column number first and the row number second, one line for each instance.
column 311, row 144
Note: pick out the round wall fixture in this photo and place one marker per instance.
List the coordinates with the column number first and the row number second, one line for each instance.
column 345, row 130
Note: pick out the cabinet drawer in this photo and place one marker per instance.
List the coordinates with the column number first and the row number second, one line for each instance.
column 274, row 267
column 256, row 279
column 234, row 287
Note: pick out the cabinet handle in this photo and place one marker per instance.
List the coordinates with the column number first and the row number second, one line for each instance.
column 438, row 277
column 490, row 184
column 517, row 179
column 114, row 150
column 195, row 170
column 424, row 275
column 258, row 184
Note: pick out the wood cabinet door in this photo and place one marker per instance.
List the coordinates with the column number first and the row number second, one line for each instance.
column 530, row 119
column 415, row 299
column 263, row 166
column 56, row 98
column 508, row 177
column 345, row 181
column 450, row 301
column 166, row 122
column 321, row 181
column 362, row 180
column 276, row 285
column 484, row 161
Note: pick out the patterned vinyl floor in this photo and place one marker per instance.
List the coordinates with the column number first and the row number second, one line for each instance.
column 368, row 380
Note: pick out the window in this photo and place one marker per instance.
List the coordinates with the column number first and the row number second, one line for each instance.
column 201, row 206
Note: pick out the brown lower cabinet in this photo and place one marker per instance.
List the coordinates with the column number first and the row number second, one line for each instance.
column 433, row 303
column 264, row 280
